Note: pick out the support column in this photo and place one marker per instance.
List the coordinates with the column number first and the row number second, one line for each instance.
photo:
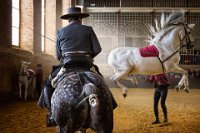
column 66, row 4
column 50, row 27
column 37, row 48
column 72, row 3
column 5, row 23
column 26, row 25
column 59, row 8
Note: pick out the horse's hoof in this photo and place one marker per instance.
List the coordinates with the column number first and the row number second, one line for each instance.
column 50, row 121
column 187, row 91
column 124, row 95
column 177, row 88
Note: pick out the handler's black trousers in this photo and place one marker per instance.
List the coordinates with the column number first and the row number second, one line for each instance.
column 38, row 87
column 160, row 92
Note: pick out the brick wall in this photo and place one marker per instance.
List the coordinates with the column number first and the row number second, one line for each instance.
column 5, row 23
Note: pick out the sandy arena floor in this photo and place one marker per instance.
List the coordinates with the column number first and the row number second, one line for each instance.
column 133, row 114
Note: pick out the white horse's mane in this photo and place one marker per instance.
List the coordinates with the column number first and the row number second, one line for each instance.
column 165, row 25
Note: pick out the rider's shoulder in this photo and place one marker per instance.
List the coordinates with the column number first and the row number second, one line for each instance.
column 86, row 26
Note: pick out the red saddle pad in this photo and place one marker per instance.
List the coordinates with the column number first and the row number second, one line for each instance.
column 149, row 51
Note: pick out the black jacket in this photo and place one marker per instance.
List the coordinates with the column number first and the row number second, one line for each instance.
column 76, row 37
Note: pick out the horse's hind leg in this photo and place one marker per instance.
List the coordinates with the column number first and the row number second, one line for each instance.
column 101, row 117
column 26, row 87
column 123, row 87
column 121, row 75
column 64, row 129
column 82, row 130
column 33, row 87
column 105, row 131
column 20, row 90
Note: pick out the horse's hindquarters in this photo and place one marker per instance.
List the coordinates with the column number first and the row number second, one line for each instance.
column 102, row 116
column 70, row 106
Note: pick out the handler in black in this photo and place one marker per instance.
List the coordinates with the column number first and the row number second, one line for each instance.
column 161, row 91
column 76, row 46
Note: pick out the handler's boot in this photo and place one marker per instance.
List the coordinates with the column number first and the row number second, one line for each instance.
column 156, row 122
column 164, row 108
column 165, row 118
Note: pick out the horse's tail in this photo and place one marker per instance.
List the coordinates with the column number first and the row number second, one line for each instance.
column 90, row 92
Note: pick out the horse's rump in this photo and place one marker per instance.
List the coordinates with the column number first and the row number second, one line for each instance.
column 71, row 108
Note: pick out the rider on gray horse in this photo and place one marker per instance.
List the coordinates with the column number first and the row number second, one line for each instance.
column 76, row 46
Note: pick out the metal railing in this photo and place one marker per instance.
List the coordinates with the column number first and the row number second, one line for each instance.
column 190, row 57
column 142, row 3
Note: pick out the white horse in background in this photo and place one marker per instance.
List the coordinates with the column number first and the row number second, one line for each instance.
column 169, row 36
column 26, row 79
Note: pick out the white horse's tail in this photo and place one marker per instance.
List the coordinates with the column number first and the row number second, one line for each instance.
column 90, row 91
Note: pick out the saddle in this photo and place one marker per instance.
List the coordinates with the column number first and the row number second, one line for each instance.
column 149, row 51
column 29, row 73
column 72, row 71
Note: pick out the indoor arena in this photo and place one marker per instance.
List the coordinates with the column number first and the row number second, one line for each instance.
column 143, row 55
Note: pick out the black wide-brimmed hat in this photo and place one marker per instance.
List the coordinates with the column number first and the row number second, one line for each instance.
column 74, row 11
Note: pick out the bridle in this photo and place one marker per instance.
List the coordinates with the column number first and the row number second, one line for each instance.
column 188, row 44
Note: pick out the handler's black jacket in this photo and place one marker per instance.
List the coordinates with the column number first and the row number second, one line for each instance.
column 76, row 37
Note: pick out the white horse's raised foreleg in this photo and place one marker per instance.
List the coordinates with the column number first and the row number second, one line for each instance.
column 120, row 74
column 184, row 80
column 133, row 79
column 180, row 84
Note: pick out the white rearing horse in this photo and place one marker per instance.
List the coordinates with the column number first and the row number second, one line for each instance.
column 170, row 35
column 26, row 78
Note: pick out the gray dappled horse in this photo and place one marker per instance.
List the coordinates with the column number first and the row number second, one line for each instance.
column 26, row 79
column 82, row 100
